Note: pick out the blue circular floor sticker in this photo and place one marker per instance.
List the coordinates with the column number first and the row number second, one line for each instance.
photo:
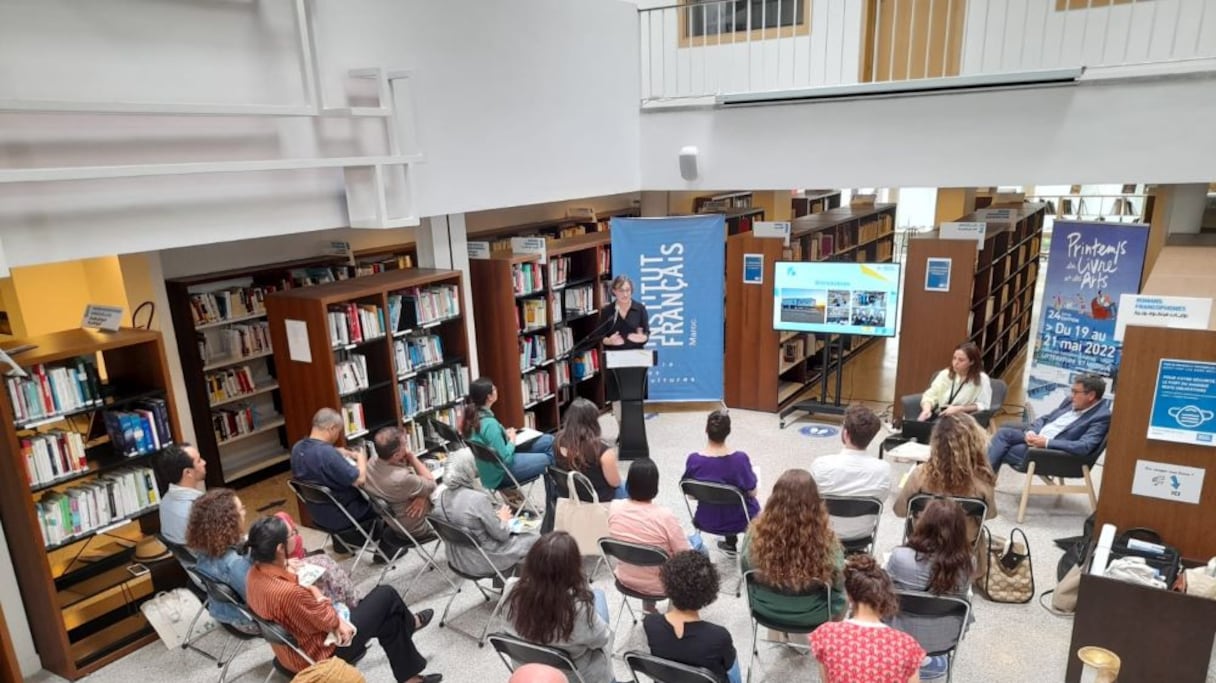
column 819, row 431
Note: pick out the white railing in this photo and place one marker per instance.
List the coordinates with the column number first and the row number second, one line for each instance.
column 708, row 48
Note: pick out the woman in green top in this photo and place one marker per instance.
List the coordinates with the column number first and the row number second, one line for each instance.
column 791, row 547
column 526, row 461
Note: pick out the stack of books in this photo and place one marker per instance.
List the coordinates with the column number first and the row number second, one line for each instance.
column 225, row 304
column 413, row 353
column 229, row 423
column 54, row 390
column 143, row 429
column 533, row 350
column 579, row 299
column 355, row 323
column 230, row 383
column 72, row 512
column 352, row 374
column 526, row 278
column 53, row 455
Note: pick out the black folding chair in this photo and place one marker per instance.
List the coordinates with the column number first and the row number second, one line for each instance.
column 223, row 594
column 389, row 518
column 454, row 536
column 639, row 555
column 318, row 494
column 662, row 670
column 486, row 454
column 713, row 493
column 451, row 437
column 558, row 478
column 974, row 508
column 921, row 616
column 276, row 634
column 513, row 649
column 186, row 558
column 850, row 507
column 758, row 620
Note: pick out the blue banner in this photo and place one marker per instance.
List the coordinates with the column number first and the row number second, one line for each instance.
column 678, row 268
column 1089, row 267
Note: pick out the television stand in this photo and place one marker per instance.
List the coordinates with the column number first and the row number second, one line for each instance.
column 830, row 365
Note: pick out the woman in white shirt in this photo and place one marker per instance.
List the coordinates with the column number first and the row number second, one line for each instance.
column 963, row 387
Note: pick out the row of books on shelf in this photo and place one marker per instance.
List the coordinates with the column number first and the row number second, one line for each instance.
column 383, row 264
column 437, row 388
column 108, row 498
column 143, row 429
column 236, row 341
column 230, row 383
column 53, row 390
column 559, row 271
column 353, row 418
column 585, row 364
column 52, row 455
column 352, row 323
column 536, row 386
column 231, row 422
column 563, row 340
column 531, row 313
column 412, row 353
column 351, row 373
column 530, row 419
column 578, row 299
column 870, row 230
column 527, row 278
column 605, row 258
column 423, row 305
column 874, row 251
column 533, row 350
column 226, row 304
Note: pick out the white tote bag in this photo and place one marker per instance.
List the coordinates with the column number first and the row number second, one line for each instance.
column 586, row 522
column 171, row 614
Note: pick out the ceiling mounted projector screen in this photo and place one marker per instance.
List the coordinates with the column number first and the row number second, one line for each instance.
column 836, row 298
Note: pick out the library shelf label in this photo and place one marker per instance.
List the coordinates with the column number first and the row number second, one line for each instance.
column 965, row 231
column 100, row 317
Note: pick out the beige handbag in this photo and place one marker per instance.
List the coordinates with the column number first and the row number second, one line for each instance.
column 586, row 522
column 1006, row 573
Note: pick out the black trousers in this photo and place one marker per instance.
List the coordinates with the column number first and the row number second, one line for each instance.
column 382, row 615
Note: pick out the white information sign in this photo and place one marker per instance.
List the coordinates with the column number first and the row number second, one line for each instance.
column 779, row 229
column 1146, row 310
column 1168, row 482
column 297, row 341
column 529, row 245
column 97, row 316
column 964, row 231
column 479, row 251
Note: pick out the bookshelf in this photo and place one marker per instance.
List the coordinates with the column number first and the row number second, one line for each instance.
column 547, row 307
column 77, row 492
column 783, row 366
column 385, row 349
column 738, row 209
column 814, row 201
column 499, row 239
column 990, row 302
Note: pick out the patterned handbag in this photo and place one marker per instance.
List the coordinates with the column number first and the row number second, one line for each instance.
column 1005, row 570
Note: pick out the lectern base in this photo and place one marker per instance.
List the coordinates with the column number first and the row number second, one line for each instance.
column 631, row 443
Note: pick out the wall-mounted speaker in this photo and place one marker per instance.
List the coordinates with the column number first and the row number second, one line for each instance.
column 688, row 162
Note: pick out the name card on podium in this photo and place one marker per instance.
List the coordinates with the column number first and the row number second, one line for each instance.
column 629, row 358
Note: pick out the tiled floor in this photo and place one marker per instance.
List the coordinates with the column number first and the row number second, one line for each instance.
column 1007, row 642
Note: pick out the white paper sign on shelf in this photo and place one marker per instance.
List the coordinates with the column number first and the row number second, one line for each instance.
column 101, row 317
column 1163, row 480
column 479, row 251
column 529, row 245
column 998, row 215
column 1146, row 310
column 297, row 341
column 779, row 229
column 964, row 231
column 343, row 249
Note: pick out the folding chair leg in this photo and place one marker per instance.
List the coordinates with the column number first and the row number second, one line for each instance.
column 1089, row 485
column 751, row 665
column 240, row 646
column 451, row 598
column 481, row 641
column 1026, row 492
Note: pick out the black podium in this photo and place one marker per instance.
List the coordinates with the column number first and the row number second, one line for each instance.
column 629, row 369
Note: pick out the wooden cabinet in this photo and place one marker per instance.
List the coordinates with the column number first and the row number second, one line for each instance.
column 78, row 492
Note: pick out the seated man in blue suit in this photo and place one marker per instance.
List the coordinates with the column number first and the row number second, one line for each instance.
column 1076, row 427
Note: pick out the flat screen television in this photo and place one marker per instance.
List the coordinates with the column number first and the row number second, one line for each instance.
column 829, row 297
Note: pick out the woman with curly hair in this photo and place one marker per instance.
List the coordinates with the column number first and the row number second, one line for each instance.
column 791, row 547
column 216, row 532
column 957, row 466
column 580, row 448
column 937, row 558
column 862, row 647
column 552, row 604
column 691, row 583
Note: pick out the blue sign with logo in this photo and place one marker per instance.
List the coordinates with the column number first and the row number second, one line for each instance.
column 819, row 431
column 677, row 267
column 1184, row 403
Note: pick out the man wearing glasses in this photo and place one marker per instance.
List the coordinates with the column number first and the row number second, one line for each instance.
column 1076, row 427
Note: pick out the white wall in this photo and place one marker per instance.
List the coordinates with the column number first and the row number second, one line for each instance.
column 483, row 71
column 1142, row 130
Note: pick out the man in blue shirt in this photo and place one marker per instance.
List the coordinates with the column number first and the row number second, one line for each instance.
column 315, row 459
column 1076, row 427
column 184, row 469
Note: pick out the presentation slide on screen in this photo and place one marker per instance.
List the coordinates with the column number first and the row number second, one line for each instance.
column 836, row 298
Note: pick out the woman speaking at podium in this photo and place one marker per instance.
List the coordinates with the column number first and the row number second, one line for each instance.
column 625, row 325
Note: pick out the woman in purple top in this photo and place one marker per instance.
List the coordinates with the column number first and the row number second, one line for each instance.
column 721, row 464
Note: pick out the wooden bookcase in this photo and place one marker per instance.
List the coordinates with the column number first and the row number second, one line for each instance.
column 814, row 201
column 570, row 292
column 82, row 598
column 768, row 370
column 738, row 208
column 395, row 390
column 555, row 229
column 990, row 302
column 209, row 377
